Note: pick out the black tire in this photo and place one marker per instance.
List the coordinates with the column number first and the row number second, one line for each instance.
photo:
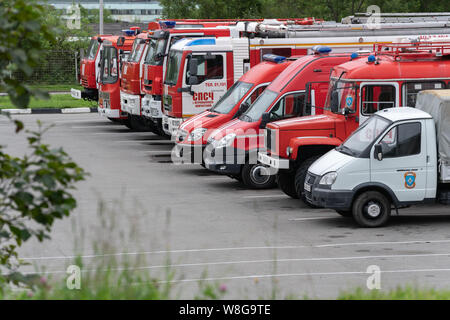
column 137, row 124
column 286, row 182
column 344, row 213
column 371, row 209
column 300, row 176
column 252, row 178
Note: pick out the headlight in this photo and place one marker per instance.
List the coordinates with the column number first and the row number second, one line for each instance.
column 225, row 141
column 328, row 178
column 197, row 134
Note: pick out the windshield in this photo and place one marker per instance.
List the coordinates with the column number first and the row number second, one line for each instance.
column 260, row 106
column 157, row 47
column 173, row 67
column 232, row 97
column 138, row 47
column 109, row 65
column 364, row 136
column 92, row 50
column 341, row 95
column 150, row 51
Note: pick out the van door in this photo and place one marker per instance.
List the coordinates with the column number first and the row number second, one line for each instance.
column 403, row 167
column 211, row 83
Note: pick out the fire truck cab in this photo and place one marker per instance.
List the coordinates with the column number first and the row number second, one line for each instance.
column 89, row 67
column 390, row 77
column 233, row 148
column 115, row 51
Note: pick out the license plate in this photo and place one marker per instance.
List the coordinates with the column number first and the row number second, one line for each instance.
column 307, row 187
column 75, row 93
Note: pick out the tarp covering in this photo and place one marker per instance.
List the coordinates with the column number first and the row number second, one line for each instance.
column 437, row 104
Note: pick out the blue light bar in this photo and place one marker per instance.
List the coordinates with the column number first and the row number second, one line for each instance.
column 129, row 32
column 371, row 58
column 167, row 24
column 321, row 49
column 354, row 55
column 201, row 42
column 273, row 58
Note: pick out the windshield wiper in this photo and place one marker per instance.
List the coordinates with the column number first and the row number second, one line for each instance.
column 345, row 150
column 246, row 118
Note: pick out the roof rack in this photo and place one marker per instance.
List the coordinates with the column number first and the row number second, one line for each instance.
column 360, row 18
column 413, row 50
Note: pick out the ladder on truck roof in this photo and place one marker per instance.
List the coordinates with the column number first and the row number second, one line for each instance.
column 401, row 17
column 413, row 50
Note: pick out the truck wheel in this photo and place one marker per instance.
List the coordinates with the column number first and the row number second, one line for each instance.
column 300, row 176
column 345, row 213
column 137, row 124
column 371, row 209
column 287, row 184
column 253, row 178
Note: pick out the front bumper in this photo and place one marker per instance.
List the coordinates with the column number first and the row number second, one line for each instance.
column 227, row 160
column 151, row 108
column 273, row 162
column 170, row 125
column 109, row 113
column 325, row 197
column 184, row 153
column 86, row 94
column 130, row 103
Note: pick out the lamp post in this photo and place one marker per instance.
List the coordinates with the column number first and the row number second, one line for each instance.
column 101, row 17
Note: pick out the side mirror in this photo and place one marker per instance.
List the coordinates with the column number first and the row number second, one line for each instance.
column 378, row 152
column 265, row 119
column 242, row 108
column 192, row 80
column 334, row 103
column 159, row 56
column 121, row 51
column 193, row 67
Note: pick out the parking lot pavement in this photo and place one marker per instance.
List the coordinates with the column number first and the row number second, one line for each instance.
column 136, row 203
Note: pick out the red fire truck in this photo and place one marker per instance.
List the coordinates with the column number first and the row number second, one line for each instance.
column 233, row 148
column 155, row 61
column 193, row 134
column 89, row 71
column 391, row 77
column 115, row 50
column 183, row 99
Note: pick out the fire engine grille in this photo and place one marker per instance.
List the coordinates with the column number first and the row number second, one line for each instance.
column 310, row 179
column 270, row 140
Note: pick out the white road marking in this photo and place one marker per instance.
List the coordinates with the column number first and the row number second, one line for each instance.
column 393, row 256
column 238, row 249
column 266, row 196
column 312, row 218
column 280, row 275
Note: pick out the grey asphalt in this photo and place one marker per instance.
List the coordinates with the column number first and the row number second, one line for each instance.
column 260, row 244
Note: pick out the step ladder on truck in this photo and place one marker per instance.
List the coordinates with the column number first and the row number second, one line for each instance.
column 390, row 77
column 180, row 100
column 398, row 158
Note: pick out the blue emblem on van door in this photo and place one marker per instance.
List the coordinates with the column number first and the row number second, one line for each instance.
column 349, row 101
column 410, row 180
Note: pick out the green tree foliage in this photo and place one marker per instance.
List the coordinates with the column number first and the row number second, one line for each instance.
column 324, row 9
column 35, row 188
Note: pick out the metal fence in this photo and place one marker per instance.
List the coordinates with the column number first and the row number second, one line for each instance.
column 55, row 67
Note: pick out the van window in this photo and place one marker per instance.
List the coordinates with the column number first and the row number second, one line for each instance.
column 410, row 90
column 402, row 140
column 208, row 67
column 377, row 97
column 289, row 106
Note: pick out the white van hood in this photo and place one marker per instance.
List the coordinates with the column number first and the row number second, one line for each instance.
column 331, row 161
